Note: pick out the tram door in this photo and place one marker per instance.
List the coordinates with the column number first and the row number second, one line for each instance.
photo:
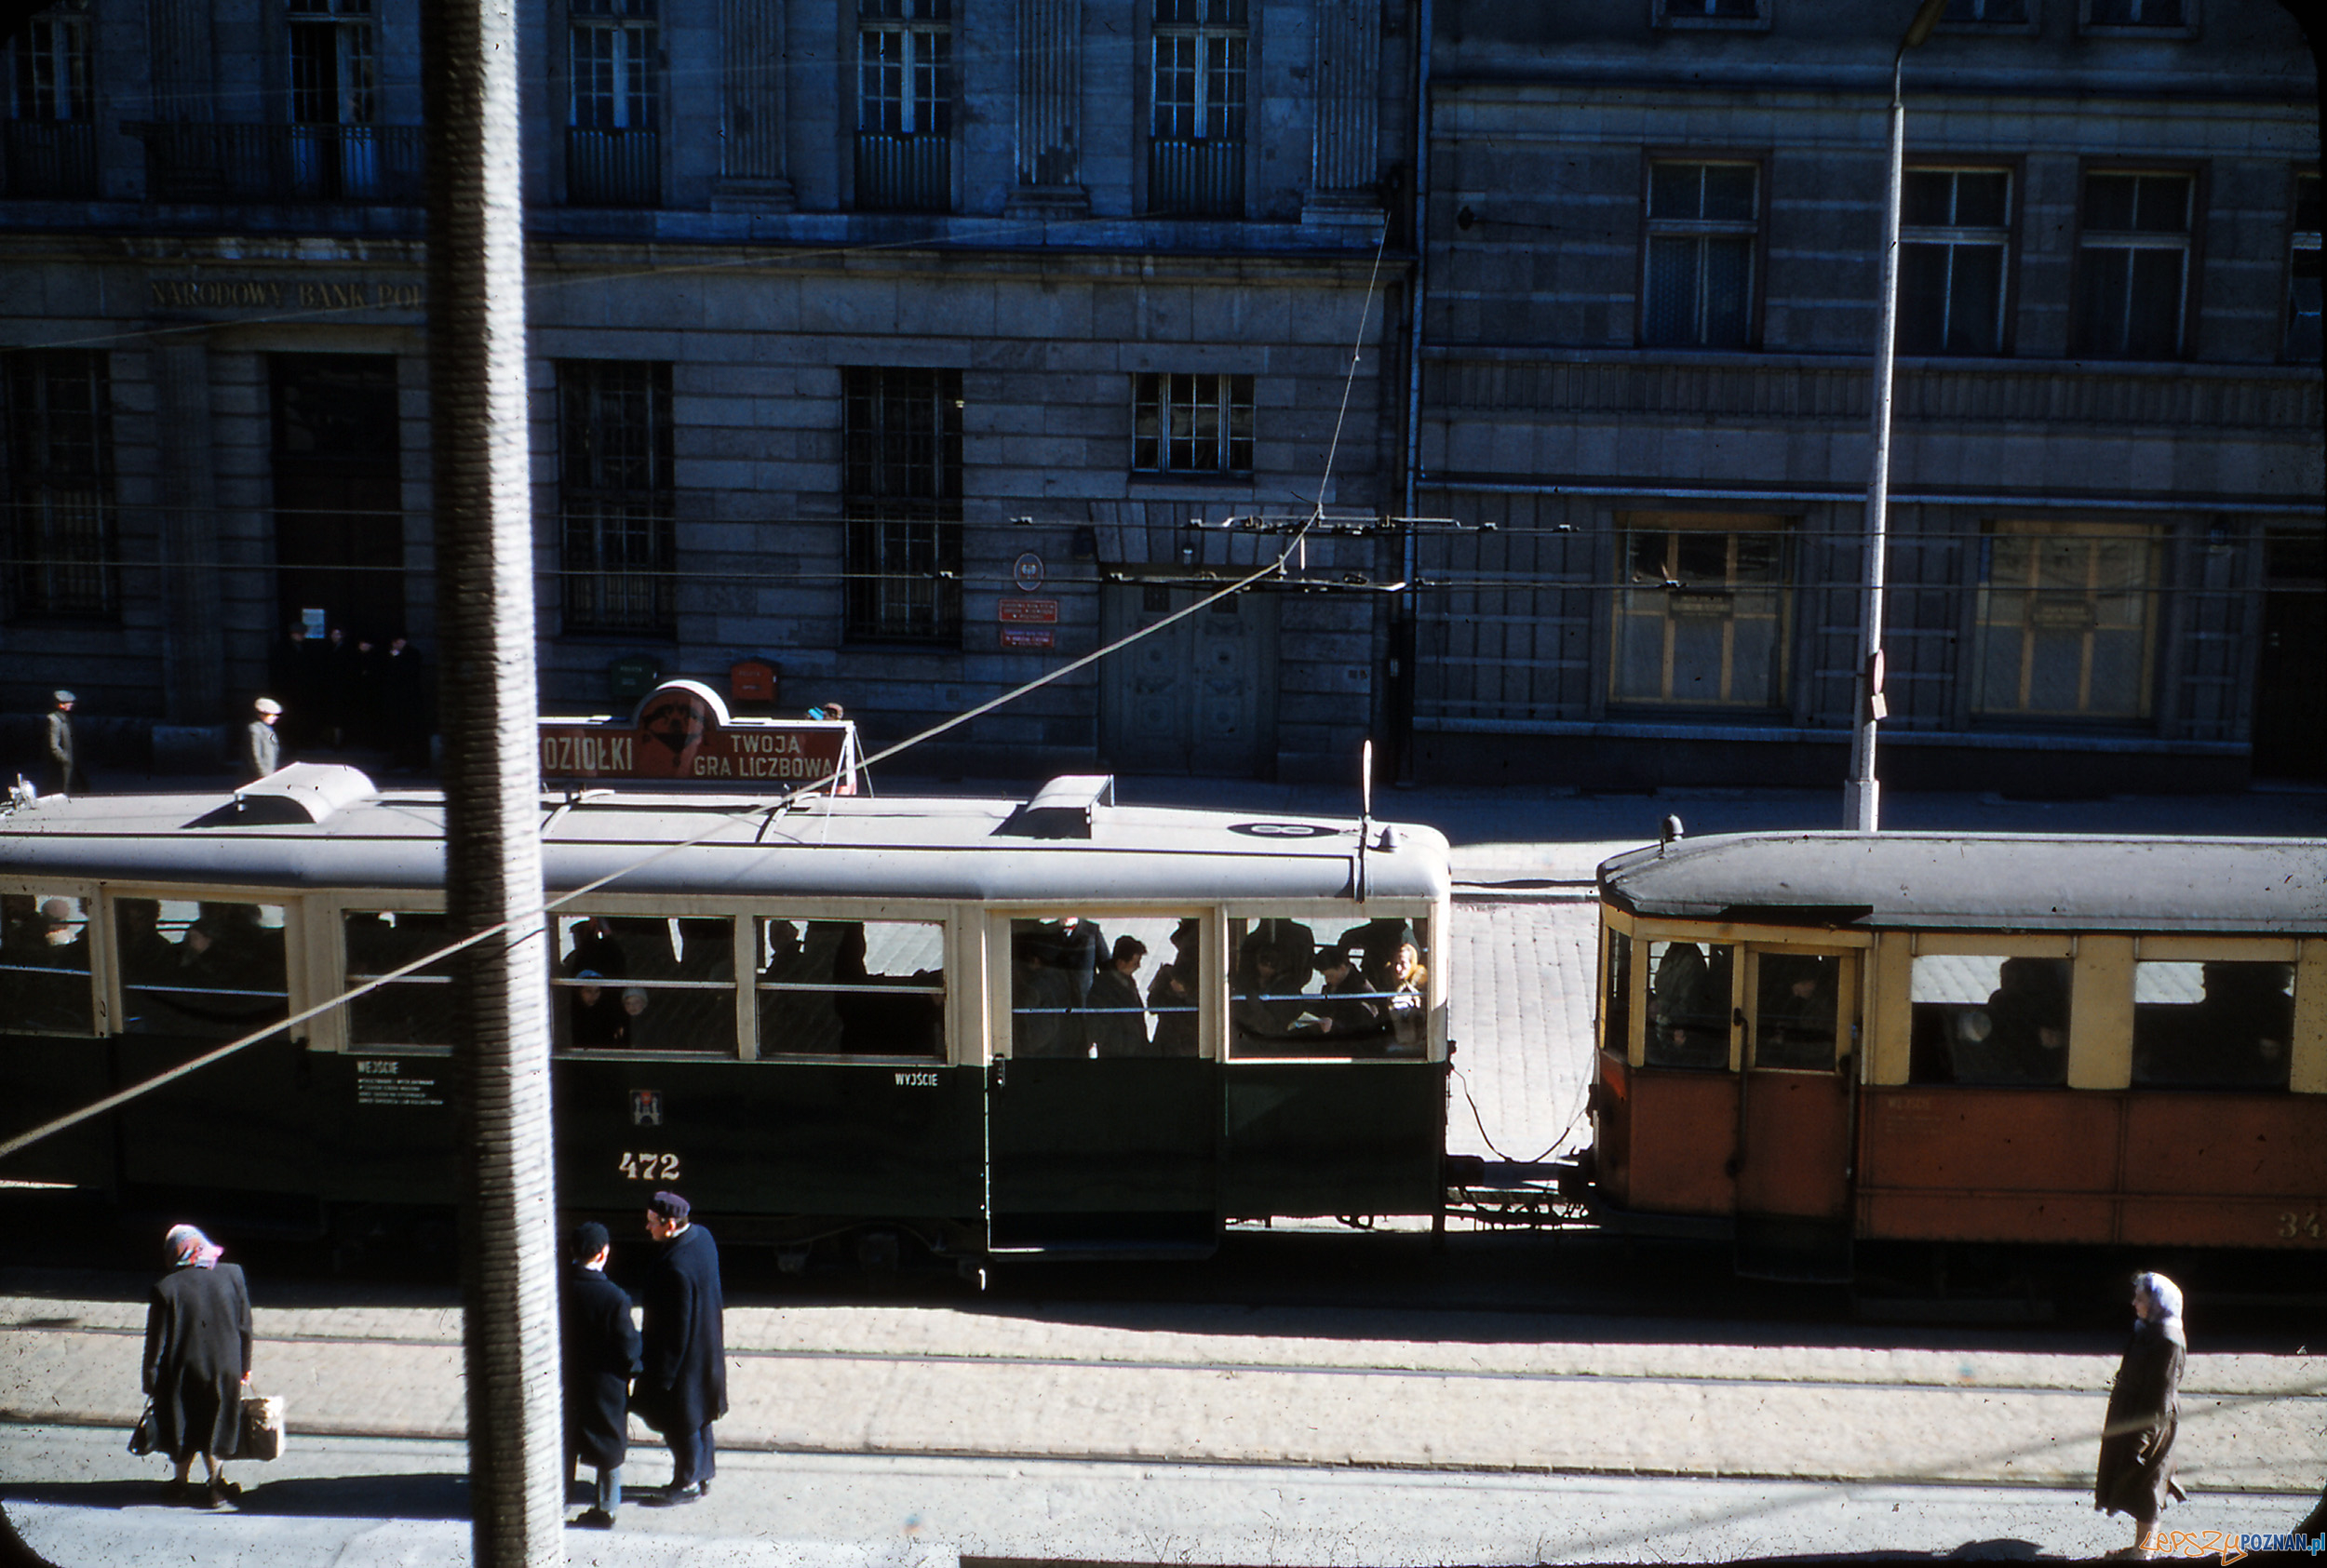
column 1102, row 1121
column 1793, row 1113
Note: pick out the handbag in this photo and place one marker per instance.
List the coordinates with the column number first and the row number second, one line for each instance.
column 141, row 1435
column 261, row 1426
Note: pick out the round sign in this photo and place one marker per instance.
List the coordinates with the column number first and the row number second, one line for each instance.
column 1027, row 572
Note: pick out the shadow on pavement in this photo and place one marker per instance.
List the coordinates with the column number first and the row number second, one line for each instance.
column 418, row 1495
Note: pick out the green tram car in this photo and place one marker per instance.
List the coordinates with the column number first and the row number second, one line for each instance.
column 822, row 1020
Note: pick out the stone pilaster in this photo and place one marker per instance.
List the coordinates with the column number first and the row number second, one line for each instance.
column 1050, row 111
column 1344, row 170
column 194, row 634
column 755, row 171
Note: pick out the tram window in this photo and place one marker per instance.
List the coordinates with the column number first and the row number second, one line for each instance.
column 416, row 1009
column 1361, row 996
column 2223, row 1025
column 852, row 988
column 1688, row 1004
column 1795, row 1009
column 1616, row 1007
column 209, row 969
column 1127, row 987
column 44, row 964
column 646, row 983
column 1986, row 1020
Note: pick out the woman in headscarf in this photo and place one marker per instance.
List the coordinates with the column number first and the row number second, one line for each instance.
column 197, row 1359
column 2136, row 1470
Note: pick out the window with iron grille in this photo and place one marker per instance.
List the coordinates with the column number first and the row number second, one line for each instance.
column 1713, row 13
column 1190, row 423
column 614, row 153
column 1704, row 229
column 614, row 495
column 333, row 78
column 901, row 490
column 2302, row 281
column 48, row 144
column 2013, row 13
column 59, row 486
column 904, row 105
column 1701, row 613
column 2132, row 264
column 1199, row 52
column 1954, row 235
column 2168, row 15
column 2065, row 625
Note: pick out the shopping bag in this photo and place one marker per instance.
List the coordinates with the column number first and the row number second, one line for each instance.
column 261, row 1426
column 141, row 1435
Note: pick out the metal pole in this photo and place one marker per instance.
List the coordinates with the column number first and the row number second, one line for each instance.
column 1862, row 797
column 493, row 841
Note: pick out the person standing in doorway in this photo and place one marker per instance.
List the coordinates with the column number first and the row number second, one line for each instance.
column 600, row 1347
column 683, row 1387
column 262, row 748
column 64, row 775
column 2135, row 1475
column 197, row 1362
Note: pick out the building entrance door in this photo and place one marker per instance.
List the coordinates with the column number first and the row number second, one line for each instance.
column 1197, row 697
column 339, row 523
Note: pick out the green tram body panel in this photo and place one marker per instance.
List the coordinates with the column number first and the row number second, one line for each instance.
column 972, row 1146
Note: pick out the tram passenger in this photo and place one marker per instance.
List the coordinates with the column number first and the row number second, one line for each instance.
column 1688, row 1007
column 1118, row 1024
column 1347, row 1008
column 873, row 1025
column 1257, row 1005
column 644, row 942
column 1042, row 1001
column 594, row 948
column 2246, row 1022
column 638, row 1032
column 596, row 1020
column 2027, row 1038
column 1172, row 998
column 1797, row 1005
column 1400, row 980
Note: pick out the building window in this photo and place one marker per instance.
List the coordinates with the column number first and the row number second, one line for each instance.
column 2149, row 16
column 614, row 495
column 1701, row 612
column 334, row 82
column 613, row 157
column 2303, row 288
column 2064, row 621
column 901, row 483
column 1192, row 425
column 1993, row 13
column 1703, row 225
column 49, row 148
column 2132, row 264
column 1200, row 50
column 60, row 486
column 1954, row 235
column 904, row 105
column 1713, row 13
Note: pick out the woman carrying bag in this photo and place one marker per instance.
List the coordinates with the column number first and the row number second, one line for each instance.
column 197, row 1362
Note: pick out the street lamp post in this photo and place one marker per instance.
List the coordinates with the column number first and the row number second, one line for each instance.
column 1862, row 797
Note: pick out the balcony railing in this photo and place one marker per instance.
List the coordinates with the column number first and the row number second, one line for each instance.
column 1199, row 179
column 613, row 168
column 384, row 164
column 48, row 159
column 900, row 173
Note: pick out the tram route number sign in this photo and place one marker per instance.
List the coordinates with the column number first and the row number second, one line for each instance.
column 681, row 729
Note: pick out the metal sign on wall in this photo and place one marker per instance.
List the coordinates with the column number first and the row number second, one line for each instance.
column 682, row 730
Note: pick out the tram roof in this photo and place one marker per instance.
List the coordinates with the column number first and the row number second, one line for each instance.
column 854, row 847
column 1983, row 881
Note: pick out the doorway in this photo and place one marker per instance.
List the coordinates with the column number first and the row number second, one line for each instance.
column 339, row 523
column 1197, row 697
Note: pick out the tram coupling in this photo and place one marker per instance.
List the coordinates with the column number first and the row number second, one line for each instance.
column 1521, row 1195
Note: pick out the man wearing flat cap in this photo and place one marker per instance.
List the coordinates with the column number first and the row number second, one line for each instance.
column 262, row 748
column 599, row 1350
column 683, row 1388
column 64, row 777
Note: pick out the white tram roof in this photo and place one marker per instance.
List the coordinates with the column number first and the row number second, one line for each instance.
column 1998, row 882
column 314, row 828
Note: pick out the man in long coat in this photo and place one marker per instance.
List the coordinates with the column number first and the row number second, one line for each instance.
column 683, row 1387
column 64, row 771
column 599, row 1350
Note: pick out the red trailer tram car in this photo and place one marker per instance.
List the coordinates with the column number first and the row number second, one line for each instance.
column 1809, row 1040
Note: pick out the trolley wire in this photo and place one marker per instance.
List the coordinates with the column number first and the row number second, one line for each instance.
column 727, row 821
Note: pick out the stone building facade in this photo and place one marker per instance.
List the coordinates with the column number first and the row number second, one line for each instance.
column 899, row 342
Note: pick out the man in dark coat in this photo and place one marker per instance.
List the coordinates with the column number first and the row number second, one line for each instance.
column 197, row 1358
column 599, row 1350
column 64, row 771
column 2135, row 1475
column 682, row 1388
column 1118, row 1024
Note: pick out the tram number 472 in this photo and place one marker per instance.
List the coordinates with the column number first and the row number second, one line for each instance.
column 2295, row 1225
column 649, row 1167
